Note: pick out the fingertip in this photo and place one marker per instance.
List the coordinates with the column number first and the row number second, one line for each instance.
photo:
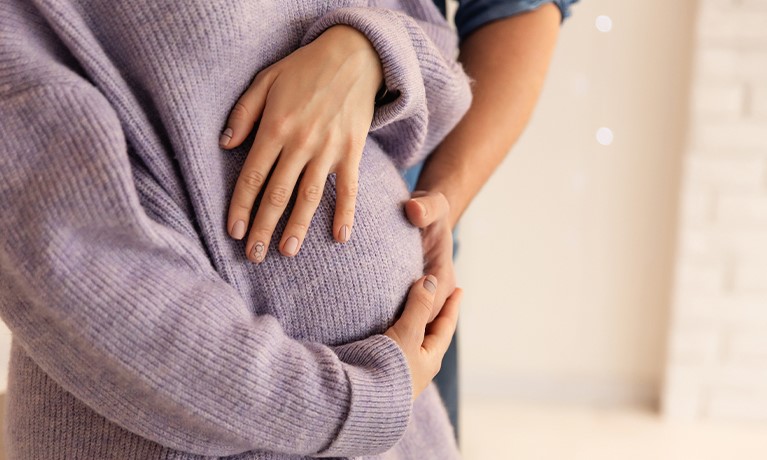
column 225, row 139
column 430, row 283
column 416, row 212
column 237, row 230
column 257, row 252
column 343, row 234
column 291, row 247
column 455, row 299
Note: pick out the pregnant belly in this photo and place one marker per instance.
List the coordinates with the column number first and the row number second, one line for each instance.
column 337, row 293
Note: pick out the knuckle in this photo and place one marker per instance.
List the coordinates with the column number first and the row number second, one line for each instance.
column 302, row 137
column 352, row 143
column 278, row 196
column 240, row 112
column 312, row 193
column 332, row 141
column 348, row 213
column 299, row 228
column 262, row 75
column 279, row 126
column 253, row 179
column 425, row 302
column 348, row 190
column 260, row 232
column 241, row 207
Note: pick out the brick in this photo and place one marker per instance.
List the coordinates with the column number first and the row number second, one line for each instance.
column 743, row 310
column 697, row 204
column 716, row 101
column 717, row 357
column 753, row 5
column 695, row 343
column 758, row 102
column 732, row 172
column 721, row 23
column 726, row 64
column 732, row 310
column 737, row 405
column 747, row 345
column 682, row 395
column 747, row 245
column 738, row 377
column 742, row 209
column 700, row 278
column 750, row 277
column 727, row 135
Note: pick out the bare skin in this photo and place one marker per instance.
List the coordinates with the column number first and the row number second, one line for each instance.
column 424, row 341
column 508, row 60
column 313, row 125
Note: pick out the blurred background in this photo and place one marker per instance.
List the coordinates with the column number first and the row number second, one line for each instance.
column 615, row 267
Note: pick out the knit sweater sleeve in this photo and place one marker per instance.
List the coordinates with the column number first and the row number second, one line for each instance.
column 130, row 317
column 418, row 53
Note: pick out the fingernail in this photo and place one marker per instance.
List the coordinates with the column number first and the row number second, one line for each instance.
column 291, row 246
column 421, row 207
column 430, row 283
column 343, row 234
column 258, row 252
column 238, row 230
column 226, row 136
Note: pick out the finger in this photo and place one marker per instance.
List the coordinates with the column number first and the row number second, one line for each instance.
column 309, row 195
column 246, row 111
column 418, row 308
column 276, row 196
column 251, row 180
column 444, row 290
column 441, row 330
column 425, row 209
column 346, row 198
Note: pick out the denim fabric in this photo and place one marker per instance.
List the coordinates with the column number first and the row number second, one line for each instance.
column 473, row 14
column 447, row 378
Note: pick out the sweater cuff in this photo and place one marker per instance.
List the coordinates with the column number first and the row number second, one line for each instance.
column 399, row 60
column 381, row 397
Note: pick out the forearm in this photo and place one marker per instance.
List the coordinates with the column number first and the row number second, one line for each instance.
column 508, row 60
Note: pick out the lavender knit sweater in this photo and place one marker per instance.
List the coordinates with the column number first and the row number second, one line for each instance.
column 139, row 328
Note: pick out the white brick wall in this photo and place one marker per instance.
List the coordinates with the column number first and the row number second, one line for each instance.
column 717, row 357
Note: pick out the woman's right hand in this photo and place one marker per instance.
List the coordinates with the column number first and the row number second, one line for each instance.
column 424, row 343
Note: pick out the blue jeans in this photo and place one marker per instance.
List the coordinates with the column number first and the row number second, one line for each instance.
column 447, row 378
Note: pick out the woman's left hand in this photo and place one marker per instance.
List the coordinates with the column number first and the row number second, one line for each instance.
column 315, row 108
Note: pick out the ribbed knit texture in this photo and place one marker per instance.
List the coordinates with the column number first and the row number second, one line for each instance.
column 139, row 328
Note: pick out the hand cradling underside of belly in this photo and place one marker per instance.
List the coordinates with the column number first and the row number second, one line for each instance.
column 336, row 293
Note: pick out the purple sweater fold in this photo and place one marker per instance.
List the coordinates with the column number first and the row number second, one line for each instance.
column 140, row 330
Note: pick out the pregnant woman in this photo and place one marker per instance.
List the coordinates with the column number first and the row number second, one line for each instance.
column 141, row 330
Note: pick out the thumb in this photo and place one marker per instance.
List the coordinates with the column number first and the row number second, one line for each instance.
column 418, row 308
column 425, row 208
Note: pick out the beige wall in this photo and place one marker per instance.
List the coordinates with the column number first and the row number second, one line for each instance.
column 566, row 255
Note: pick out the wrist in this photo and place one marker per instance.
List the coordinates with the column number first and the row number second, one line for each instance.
column 446, row 174
column 353, row 44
